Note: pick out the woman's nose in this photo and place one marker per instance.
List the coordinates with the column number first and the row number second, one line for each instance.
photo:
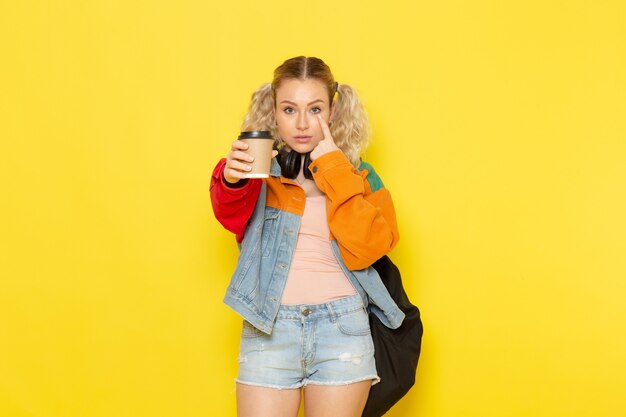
column 303, row 121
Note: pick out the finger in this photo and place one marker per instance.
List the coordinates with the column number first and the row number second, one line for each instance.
column 241, row 156
column 238, row 144
column 324, row 127
column 233, row 176
column 274, row 153
column 235, row 165
column 232, row 173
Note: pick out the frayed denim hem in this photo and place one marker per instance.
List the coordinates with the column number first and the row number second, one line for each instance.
column 375, row 380
column 257, row 384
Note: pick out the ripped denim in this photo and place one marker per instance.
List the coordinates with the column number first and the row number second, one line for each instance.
column 321, row 344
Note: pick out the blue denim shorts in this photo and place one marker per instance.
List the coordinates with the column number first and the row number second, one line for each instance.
column 320, row 344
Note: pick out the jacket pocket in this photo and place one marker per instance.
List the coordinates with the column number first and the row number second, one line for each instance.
column 270, row 231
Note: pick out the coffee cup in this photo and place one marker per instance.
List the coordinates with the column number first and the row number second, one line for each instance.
column 260, row 146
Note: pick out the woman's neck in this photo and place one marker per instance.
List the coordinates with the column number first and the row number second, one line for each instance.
column 309, row 186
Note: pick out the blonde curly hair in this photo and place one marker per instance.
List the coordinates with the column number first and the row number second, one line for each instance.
column 350, row 128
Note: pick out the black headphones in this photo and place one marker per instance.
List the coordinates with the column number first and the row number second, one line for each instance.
column 290, row 162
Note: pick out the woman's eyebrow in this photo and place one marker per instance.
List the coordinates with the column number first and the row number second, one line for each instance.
column 313, row 102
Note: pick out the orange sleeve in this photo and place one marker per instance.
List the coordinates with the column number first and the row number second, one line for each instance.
column 362, row 221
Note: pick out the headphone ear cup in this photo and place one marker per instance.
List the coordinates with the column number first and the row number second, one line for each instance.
column 289, row 164
column 293, row 164
column 307, row 161
column 282, row 159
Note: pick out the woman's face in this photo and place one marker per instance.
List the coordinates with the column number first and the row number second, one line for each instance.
column 298, row 102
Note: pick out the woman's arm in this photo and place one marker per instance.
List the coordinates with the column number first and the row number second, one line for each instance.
column 360, row 211
column 233, row 204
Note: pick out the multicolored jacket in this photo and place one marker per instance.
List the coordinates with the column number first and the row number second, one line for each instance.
column 265, row 217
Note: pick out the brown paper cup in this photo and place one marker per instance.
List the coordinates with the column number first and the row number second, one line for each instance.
column 260, row 145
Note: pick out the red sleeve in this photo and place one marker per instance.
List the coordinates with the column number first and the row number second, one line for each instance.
column 233, row 206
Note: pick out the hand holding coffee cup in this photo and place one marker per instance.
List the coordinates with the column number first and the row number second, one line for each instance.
column 250, row 156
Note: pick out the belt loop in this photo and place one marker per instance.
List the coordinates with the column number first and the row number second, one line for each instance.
column 333, row 317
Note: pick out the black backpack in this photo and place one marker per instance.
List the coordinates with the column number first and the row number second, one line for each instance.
column 396, row 350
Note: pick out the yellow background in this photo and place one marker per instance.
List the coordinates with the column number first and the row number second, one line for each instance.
column 499, row 127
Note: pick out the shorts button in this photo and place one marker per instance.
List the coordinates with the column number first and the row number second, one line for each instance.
column 314, row 170
column 306, row 312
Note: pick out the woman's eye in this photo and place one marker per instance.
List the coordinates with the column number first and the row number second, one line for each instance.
column 288, row 110
column 316, row 110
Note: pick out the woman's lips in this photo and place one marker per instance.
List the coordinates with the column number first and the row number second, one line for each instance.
column 303, row 139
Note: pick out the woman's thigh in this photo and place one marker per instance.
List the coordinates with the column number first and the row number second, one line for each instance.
column 336, row 401
column 253, row 401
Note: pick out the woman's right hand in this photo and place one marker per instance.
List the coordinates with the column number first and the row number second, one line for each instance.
column 238, row 162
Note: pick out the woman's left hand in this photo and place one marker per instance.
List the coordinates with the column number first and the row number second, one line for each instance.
column 327, row 144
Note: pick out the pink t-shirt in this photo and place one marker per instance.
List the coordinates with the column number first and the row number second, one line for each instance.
column 315, row 276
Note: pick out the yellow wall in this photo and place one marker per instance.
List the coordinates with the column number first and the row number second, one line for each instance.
column 499, row 128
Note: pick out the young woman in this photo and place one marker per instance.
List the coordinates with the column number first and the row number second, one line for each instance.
column 308, row 235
